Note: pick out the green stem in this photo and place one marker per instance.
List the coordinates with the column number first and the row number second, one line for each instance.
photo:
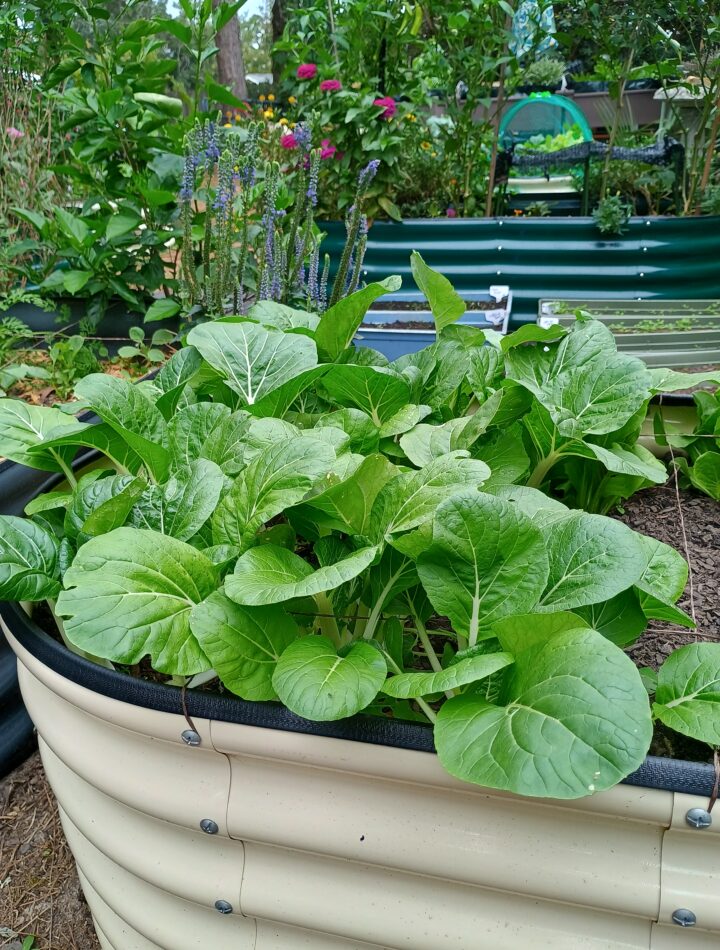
column 326, row 619
column 428, row 648
column 67, row 471
column 542, row 468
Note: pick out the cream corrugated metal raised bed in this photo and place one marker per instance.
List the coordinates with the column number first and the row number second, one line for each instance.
column 330, row 843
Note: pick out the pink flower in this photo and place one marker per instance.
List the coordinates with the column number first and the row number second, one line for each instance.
column 306, row 71
column 326, row 149
column 451, row 213
column 289, row 141
column 13, row 133
column 330, row 85
column 388, row 105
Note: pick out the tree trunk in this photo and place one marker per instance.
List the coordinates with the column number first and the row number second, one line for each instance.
column 278, row 26
column 230, row 61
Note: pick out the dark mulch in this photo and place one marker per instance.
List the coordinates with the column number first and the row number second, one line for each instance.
column 405, row 305
column 39, row 889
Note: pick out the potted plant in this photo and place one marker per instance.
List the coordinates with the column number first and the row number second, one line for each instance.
column 673, row 333
column 367, row 561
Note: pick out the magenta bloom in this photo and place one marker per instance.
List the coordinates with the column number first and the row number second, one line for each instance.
column 330, row 85
column 306, row 71
column 451, row 213
column 13, row 133
column 388, row 105
column 289, row 141
column 326, row 149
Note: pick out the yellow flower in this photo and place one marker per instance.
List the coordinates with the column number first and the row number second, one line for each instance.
column 293, row 124
column 356, row 85
column 411, row 117
column 282, row 121
column 292, row 100
column 271, row 97
column 425, row 145
column 227, row 125
column 433, row 154
column 262, row 98
column 269, row 114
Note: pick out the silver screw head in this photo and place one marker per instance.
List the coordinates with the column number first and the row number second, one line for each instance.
column 684, row 917
column 190, row 737
column 209, row 826
column 223, row 907
column 698, row 818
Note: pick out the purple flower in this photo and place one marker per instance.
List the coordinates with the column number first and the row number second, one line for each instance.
column 303, row 137
column 368, row 173
column 330, row 85
column 307, row 71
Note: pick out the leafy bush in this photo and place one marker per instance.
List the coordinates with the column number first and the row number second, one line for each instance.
column 698, row 454
column 317, row 525
column 611, row 215
column 546, row 71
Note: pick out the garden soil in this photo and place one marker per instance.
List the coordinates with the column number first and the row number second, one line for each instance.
column 39, row 889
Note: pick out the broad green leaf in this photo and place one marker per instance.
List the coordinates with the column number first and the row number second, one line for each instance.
column 446, row 304
column 190, row 428
column 28, row 560
column 687, row 697
column 363, row 433
column 318, row 684
column 346, row 504
column 394, row 575
column 276, row 479
column 532, row 333
column 655, row 609
column 704, row 474
column 487, row 560
column 269, row 574
column 583, row 382
column 48, row 501
column 503, row 451
column 592, row 558
column 280, row 400
column 24, row 430
column 411, row 498
column 130, row 593
column 425, row 442
column 281, row 317
column 184, row 503
column 538, row 506
column 120, row 223
column 530, row 630
column 670, row 381
column 127, row 410
column 620, row 619
column 242, row 645
column 162, row 309
column 168, row 105
column 403, row 420
column 340, row 322
column 113, row 512
column 412, row 685
column 377, row 391
column 665, row 572
column 67, row 438
column 633, row 460
column 572, row 719
column 75, row 280
column 74, row 228
column 252, row 360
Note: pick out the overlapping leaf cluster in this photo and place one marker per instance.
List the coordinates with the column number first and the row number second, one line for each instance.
column 344, row 534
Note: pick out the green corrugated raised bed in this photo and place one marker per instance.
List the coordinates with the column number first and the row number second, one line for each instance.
column 674, row 333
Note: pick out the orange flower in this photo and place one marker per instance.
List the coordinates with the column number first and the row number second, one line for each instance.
column 262, row 98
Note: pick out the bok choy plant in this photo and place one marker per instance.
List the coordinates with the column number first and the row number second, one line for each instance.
column 346, row 535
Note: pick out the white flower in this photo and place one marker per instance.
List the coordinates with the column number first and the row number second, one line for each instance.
column 95, row 207
column 170, row 243
column 113, row 205
column 134, row 247
column 142, row 227
column 142, row 212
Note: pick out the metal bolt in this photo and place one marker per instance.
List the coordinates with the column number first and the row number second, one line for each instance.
column 190, row 737
column 499, row 247
column 498, row 272
column 209, row 826
column 223, row 907
column 698, row 818
column 684, row 917
column 641, row 274
column 647, row 224
column 500, row 224
column 644, row 250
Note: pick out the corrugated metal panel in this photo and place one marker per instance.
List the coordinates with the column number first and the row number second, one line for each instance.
column 335, row 845
column 662, row 257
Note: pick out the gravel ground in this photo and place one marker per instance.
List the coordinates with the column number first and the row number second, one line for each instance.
column 39, row 889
